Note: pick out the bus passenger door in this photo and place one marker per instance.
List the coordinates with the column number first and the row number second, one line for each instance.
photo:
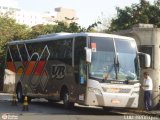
column 80, row 69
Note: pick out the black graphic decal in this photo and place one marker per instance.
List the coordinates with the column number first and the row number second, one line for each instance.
column 58, row 71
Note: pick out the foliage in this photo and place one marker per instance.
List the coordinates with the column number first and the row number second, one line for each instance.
column 92, row 26
column 143, row 12
column 104, row 23
column 9, row 30
column 60, row 27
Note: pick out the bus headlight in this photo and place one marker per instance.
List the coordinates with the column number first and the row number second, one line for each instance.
column 94, row 90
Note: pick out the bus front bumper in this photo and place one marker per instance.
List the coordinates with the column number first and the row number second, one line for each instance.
column 96, row 98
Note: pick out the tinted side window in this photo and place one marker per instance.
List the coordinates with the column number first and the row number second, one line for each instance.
column 53, row 49
column 35, row 50
column 14, row 52
column 67, row 45
column 8, row 56
column 79, row 51
column 61, row 50
column 79, row 57
column 23, row 52
column 45, row 53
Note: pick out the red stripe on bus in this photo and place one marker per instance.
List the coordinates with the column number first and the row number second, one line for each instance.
column 39, row 68
column 30, row 67
column 44, row 73
column 11, row 66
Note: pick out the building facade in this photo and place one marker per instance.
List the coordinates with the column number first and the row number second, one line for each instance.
column 147, row 37
column 65, row 14
column 10, row 8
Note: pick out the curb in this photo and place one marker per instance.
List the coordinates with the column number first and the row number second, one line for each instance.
column 142, row 112
column 5, row 97
column 6, row 94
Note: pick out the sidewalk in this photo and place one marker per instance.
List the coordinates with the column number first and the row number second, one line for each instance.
column 5, row 97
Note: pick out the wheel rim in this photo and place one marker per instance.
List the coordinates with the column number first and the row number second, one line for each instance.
column 65, row 100
column 19, row 94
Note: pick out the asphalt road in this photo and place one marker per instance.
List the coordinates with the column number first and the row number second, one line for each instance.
column 55, row 111
column 42, row 110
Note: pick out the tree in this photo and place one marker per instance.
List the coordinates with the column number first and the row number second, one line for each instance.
column 41, row 29
column 104, row 23
column 9, row 30
column 58, row 27
column 144, row 12
column 73, row 27
column 92, row 26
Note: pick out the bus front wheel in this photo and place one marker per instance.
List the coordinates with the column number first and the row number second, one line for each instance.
column 66, row 102
column 107, row 108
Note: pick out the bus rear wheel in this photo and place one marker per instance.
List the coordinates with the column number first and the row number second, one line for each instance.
column 19, row 93
column 66, row 102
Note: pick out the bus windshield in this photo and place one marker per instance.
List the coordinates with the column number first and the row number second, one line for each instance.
column 113, row 59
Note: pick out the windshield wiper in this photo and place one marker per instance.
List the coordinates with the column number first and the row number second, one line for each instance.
column 116, row 66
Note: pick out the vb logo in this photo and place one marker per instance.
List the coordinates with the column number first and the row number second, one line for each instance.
column 58, row 71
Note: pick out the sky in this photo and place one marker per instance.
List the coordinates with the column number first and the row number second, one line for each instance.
column 88, row 11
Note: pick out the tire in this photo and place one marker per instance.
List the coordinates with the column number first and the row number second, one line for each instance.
column 66, row 102
column 19, row 93
column 107, row 109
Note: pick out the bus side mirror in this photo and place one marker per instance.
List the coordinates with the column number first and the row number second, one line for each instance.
column 145, row 59
column 88, row 54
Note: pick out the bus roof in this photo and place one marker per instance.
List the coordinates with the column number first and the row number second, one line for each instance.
column 62, row 35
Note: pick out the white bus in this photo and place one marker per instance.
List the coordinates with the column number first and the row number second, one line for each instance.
column 92, row 69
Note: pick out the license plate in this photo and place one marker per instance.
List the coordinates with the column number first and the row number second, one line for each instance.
column 115, row 101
